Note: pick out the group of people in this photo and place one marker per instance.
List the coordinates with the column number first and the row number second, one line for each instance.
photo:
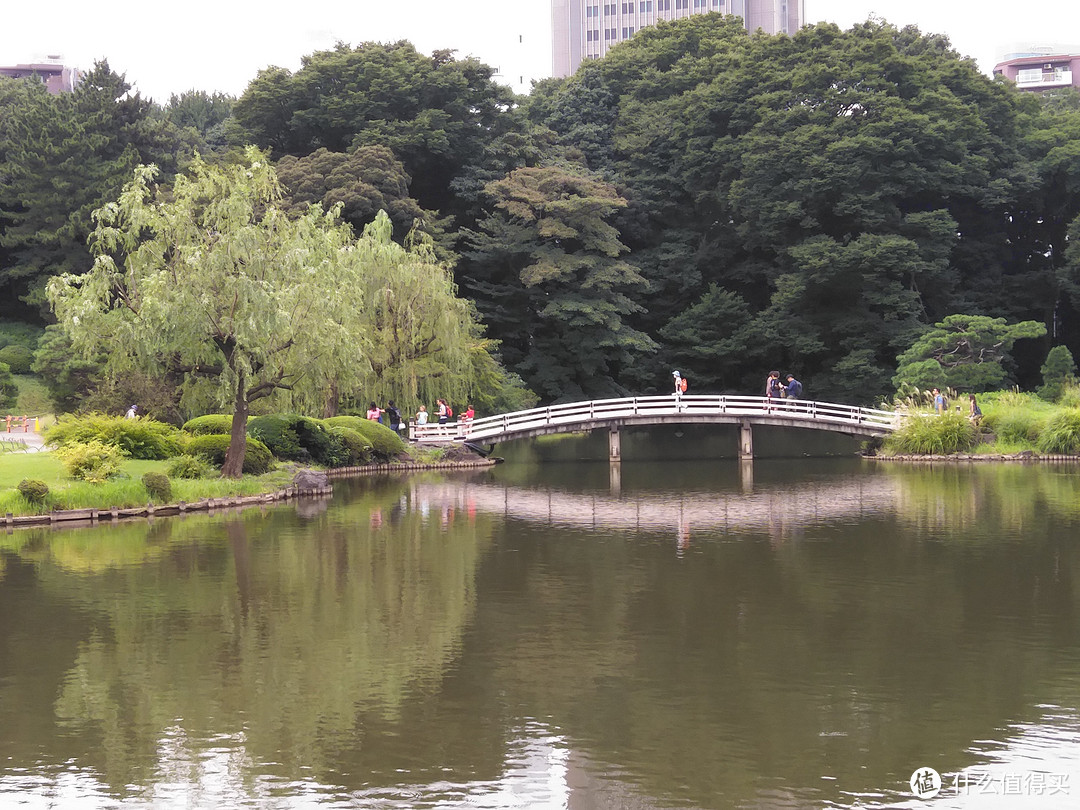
column 941, row 404
column 775, row 389
column 391, row 415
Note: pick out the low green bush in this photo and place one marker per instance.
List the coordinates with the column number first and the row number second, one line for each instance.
column 137, row 438
column 932, row 434
column 188, row 467
column 33, row 490
column 385, row 443
column 212, row 424
column 356, row 449
column 257, row 458
column 1062, row 433
column 278, row 432
column 92, row 461
column 1014, row 425
column 158, row 486
column 18, row 358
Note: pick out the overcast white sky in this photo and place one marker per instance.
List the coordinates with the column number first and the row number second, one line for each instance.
column 220, row 45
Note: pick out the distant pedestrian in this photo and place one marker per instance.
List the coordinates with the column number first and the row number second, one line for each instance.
column 444, row 411
column 373, row 412
column 974, row 411
column 132, row 412
column 466, row 420
column 393, row 415
column 793, row 389
column 773, row 389
column 421, row 415
column 939, row 401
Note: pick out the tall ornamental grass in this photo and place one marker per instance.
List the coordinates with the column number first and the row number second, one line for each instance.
column 930, row 434
column 1062, row 433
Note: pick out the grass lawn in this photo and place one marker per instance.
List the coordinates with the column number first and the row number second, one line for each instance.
column 125, row 491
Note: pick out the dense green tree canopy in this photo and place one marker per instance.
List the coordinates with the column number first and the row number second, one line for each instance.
column 966, row 352
column 436, row 113
column 62, row 156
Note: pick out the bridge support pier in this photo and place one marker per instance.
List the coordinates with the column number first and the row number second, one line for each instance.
column 746, row 440
column 615, row 478
column 614, row 444
column 746, row 475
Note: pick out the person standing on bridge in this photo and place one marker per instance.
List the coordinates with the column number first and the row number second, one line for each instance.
column 680, row 388
column 793, row 389
column 773, row 389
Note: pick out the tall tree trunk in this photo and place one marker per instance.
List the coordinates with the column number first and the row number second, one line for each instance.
column 234, row 459
column 330, row 403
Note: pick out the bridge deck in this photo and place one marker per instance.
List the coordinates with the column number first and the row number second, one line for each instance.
column 658, row 410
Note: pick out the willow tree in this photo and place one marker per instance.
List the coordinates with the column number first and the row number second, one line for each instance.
column 214, row 279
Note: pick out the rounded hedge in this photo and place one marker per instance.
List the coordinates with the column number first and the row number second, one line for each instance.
column 33, row 490
column 257, row 458
column 158, row 485
column 18, row 358
column 212, row 424
column 385, row 443
column 278, row 432
column 357, row 449
column 188, row 467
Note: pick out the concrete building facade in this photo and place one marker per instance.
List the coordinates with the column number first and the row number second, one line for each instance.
column 57, row 77
column 1041, row 67
column 587, row 29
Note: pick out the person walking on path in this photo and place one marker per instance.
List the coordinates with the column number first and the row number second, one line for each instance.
column 444, row 411
column 939, row 402
column 974, row 411
column 373, row 412
column 421, row 415
column 393, row 415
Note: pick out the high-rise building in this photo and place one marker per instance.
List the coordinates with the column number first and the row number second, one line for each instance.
column 587, row 29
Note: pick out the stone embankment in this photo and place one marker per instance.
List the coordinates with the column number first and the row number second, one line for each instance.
column 1026, row 456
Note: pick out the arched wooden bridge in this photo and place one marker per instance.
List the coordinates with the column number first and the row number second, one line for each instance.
column 705, row 409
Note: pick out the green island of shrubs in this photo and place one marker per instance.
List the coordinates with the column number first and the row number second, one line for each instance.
column 112, row 460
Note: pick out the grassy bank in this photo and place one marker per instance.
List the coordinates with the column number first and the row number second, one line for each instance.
column 1012, row 422
column 123, row 491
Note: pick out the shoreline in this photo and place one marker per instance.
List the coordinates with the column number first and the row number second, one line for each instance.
column 1023, row 457
column 78, row 518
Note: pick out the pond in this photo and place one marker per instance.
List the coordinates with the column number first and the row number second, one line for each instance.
column 667, row 633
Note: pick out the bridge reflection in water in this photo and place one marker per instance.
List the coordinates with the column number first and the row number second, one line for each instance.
column 778, row 512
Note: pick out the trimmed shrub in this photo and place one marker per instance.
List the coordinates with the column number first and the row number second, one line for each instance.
column 277, row 431
column 18, row 358
column 33, row 490
column 925, row 433
column 212, row 424
column 158, row 485
column 385, row 443
column 92, row 461
column 357, row 449
column 257, row 457
column 1062, row 433
column 188, row 467
column 137, row 438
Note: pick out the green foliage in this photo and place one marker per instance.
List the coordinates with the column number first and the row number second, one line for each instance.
column 278, row 433
column 1058, row 371
column 188, row 467
column 257, row 459
column 209, row 424
column 158, row 486
column 385, row 443
column 62, row 156
column 554, row 232
column 9, row 390
column 932, row 434
column 1062, row 433
column 137, row 438
column 91, row 461
column 33, row 490
column 967, row 352
column 355, row 448
column 18, row 358
column 17, row 333
column 68, row 375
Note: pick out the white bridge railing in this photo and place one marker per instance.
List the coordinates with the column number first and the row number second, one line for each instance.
column 584, row 415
